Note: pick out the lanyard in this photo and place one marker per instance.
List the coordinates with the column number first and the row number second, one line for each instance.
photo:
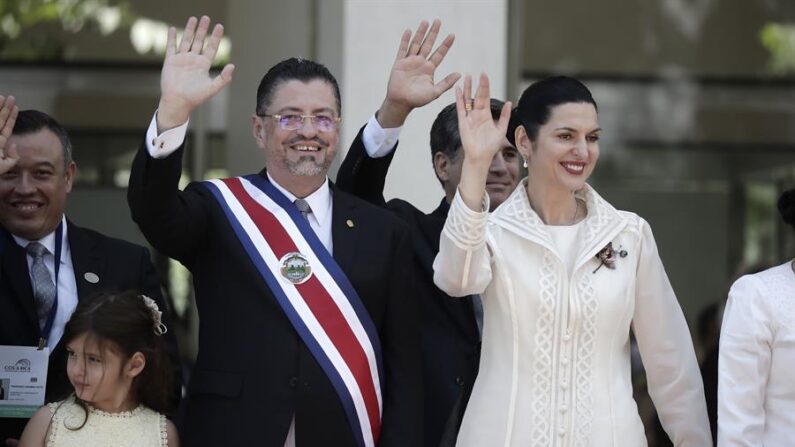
column 45, row 332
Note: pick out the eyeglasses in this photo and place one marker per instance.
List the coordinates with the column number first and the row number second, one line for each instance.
column 323, row 123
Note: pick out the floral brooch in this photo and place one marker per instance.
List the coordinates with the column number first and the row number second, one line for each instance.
column 607, row 256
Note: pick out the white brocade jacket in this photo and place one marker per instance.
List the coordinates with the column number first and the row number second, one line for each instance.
column 555, row 361
column 756, row 369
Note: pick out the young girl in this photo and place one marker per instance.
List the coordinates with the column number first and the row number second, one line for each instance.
column 120, row 372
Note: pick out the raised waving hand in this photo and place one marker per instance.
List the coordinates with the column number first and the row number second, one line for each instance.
column 8, row 116
column 481, row 137
column 185, row 81
column 411, row 81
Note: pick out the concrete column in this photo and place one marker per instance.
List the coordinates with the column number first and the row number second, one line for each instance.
column 372, row 30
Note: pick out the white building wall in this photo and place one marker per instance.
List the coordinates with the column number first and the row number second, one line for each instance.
column 372, row 30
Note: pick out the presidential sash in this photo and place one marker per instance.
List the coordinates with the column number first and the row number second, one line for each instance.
column 314, row 293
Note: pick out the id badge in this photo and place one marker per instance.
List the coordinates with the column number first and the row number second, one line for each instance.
column 23, row 380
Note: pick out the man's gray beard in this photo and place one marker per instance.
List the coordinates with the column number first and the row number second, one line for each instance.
column 306, row 166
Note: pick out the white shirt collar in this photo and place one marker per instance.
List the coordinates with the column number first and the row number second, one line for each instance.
column 48, row 241
column 319, row 200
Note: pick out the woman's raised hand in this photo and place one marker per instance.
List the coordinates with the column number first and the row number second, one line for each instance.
column 481, row 136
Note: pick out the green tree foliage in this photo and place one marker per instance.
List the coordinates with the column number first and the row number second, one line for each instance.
column 779, row 40
column 34, row 29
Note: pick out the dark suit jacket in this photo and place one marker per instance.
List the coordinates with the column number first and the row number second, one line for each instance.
column 120, row 266
column 450, row 340
column 253, row 372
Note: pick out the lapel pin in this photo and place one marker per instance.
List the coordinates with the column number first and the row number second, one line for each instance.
column 349, row 223
column 91, row 277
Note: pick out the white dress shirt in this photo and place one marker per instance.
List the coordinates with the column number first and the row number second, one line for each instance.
column 320, row 217
column 67, row 286
column 756, row 389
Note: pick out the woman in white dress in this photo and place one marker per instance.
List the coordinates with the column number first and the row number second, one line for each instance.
column 564, row 276
column 756, row 389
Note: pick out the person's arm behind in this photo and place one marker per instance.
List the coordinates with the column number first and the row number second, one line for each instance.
column 36, row 430
column 363, row 172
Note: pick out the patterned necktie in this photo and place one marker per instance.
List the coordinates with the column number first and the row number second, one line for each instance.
column 303, row 207
column 43, row 285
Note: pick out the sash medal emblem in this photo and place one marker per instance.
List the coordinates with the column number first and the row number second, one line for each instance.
column 295, row 268
column 325, row 310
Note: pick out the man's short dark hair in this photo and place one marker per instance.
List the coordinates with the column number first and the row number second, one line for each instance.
column 291, row 69
column 444, row 131
column 32, row 121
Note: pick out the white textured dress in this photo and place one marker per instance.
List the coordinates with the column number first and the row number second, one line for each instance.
column 141, row 427
column 555, row 361
column 756, row 368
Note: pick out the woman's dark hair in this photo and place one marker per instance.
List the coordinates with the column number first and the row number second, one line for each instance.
column 122, row 322
column 537, row 100
column 786, row 206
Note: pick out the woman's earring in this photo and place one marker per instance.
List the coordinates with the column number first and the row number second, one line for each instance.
column 524, row 163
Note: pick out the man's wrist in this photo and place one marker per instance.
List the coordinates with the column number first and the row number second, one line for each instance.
column 170, row 115
column 391, row 114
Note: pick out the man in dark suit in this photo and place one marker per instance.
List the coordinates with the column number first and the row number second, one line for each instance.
column 451, row 327
column 33, row 193
column 259, row 378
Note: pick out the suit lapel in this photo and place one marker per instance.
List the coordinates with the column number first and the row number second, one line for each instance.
column 15, row 272
column 344, row 228
column 86, row 261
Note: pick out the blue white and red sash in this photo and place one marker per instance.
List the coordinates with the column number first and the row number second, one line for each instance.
column 325, row 309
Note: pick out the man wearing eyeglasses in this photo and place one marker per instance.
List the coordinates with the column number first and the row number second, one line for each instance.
column 308, row 325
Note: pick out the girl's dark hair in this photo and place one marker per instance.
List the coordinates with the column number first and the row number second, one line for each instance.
column 786, row 206
column 123, row 322
column 535, row 105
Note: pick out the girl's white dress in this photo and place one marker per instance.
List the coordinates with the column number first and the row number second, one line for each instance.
column 141, row 427
column 555, row 362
